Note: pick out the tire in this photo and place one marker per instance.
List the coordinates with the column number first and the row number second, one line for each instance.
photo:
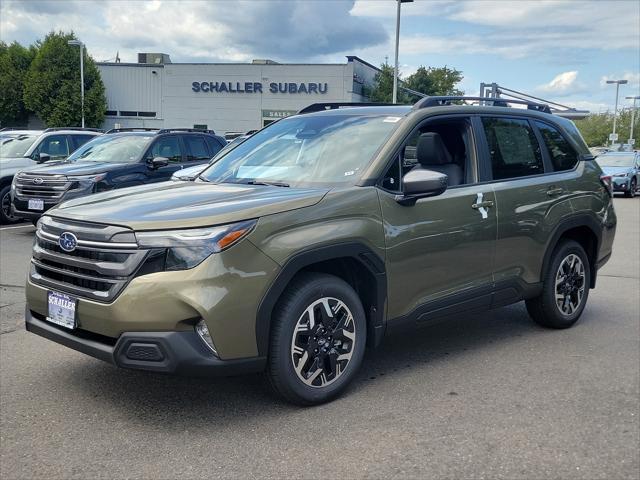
column 304, row 365
column 632, row 189
column 569, row 258
column 5, row 207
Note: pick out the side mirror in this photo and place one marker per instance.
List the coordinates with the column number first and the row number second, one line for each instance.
column 420, row 183
column 43, row 157
column 158, row 162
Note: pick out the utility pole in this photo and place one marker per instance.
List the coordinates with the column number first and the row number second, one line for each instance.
column 395, row 69
column 633, row 116
column 81, row 45
column 613, row 137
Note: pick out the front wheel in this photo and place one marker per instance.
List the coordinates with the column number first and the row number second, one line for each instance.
column 565, row 287
column 6, row 217
column 632, row 189
column 318, row 339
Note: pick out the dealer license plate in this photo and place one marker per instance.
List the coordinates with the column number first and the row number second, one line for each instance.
column 62, row 309
column 36, row 204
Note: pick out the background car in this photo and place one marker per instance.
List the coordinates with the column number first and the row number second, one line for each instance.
column 191, row 173
column 21, row 149
column 624, row 169
column 120, row 158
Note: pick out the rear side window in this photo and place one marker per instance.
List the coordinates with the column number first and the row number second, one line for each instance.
column 196, row 148
column 562, row 154
column 168, row 147
column 79, row 140
column 214, row 145
column 513, row 148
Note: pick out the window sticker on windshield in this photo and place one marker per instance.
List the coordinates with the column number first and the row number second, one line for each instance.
column 391, row 119
column 349, row 173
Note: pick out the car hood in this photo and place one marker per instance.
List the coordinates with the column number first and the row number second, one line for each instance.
column 173, row 204
column 74, row 168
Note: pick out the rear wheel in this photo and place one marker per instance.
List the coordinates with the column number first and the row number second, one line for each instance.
column 6, row 217
column 565, row 288
column 318, row 339
column 633, row 186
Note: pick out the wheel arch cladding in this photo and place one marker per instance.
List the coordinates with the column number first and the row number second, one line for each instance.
column 354, row 263
column 583, row 229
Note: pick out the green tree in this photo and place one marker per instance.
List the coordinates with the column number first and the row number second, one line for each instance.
column 52, row 85
column 435, row 81
column 14, row 64
column 427, row 80
column 596, row 128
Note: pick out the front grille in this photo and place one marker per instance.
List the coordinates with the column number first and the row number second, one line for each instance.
column 46, row 187
column 104, row 260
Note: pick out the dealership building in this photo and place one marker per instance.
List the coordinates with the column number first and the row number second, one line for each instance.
column 225, row 97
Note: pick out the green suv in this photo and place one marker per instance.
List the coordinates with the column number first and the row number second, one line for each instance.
column 322, row 233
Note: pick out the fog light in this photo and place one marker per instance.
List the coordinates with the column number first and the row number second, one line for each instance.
column 203, row 332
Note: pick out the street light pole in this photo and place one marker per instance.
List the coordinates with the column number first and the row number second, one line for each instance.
column 81, row 45
column 395, row 69
column 633, row 115
column 615, row 111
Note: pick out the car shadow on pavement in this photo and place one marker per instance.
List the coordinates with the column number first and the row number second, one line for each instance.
column 160, row 400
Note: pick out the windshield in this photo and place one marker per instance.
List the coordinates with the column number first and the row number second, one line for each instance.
column 15, row 146
column 615, row 160
column 305, row 150
column 112, row 149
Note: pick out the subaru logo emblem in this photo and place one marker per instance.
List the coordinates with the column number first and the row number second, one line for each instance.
column 38, row 181
column 68, row 242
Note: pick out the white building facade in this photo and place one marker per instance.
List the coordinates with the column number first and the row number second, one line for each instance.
column 225, row 97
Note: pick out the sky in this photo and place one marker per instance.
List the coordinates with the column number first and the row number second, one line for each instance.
column 560, row 50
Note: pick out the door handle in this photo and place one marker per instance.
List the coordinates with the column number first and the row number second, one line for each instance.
column 482, row 205
column 555, row 191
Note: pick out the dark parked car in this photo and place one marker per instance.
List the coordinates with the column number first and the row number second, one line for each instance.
column 119, row 158
column 20, row 149
column 321, row 233
column 624, row 170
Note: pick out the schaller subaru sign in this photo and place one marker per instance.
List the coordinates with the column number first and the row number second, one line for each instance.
column 257, row 87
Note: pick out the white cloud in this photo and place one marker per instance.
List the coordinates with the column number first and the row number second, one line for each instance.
column 633, row 80
column 561, row 83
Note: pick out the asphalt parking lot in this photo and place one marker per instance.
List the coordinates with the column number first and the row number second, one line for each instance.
column 483, row 396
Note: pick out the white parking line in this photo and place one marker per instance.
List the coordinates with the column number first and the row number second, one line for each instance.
column 19, row 226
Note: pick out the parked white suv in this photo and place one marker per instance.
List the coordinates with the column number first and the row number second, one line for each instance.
column 21, row 149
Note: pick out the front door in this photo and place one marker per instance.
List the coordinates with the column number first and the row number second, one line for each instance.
column 439, row 250
column 169, row 147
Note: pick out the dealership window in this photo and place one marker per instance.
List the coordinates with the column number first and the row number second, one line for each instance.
column 127, row 113
column 146, row 114
column 111, row 113
column 199, row 126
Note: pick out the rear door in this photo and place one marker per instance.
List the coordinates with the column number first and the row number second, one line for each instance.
column 531, row 198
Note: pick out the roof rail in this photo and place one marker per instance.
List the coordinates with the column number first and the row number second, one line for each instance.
column 132, row 129
column 87, row 129
column 437, row 101
column 8, row 129
column 197, row 130
column 319, row 107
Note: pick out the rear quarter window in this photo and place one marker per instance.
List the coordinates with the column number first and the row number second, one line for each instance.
column 562, row 154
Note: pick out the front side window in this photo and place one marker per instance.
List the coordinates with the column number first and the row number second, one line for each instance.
column 562, row 154
column 513, row 148
column 167, row 147
column 112, row 149
column 54, row 145
column 197, row 148
column 331, row 149
column 15, row 146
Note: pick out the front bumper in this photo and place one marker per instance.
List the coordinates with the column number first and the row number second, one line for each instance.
column 621, row 184
column 181, row 353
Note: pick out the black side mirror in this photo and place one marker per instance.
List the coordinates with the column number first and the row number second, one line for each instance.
column 158, row 162
column 421, row 183
column 43, row 157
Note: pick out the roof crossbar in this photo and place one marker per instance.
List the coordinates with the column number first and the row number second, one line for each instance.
column 197, row 130
column 132, row 129
column 319, row 107
column 84, row 129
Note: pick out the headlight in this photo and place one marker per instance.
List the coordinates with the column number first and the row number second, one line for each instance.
column 621, row 174
column 188, row 248
column 86, row 181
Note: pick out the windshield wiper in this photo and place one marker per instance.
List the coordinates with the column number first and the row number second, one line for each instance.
column 262, row 182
